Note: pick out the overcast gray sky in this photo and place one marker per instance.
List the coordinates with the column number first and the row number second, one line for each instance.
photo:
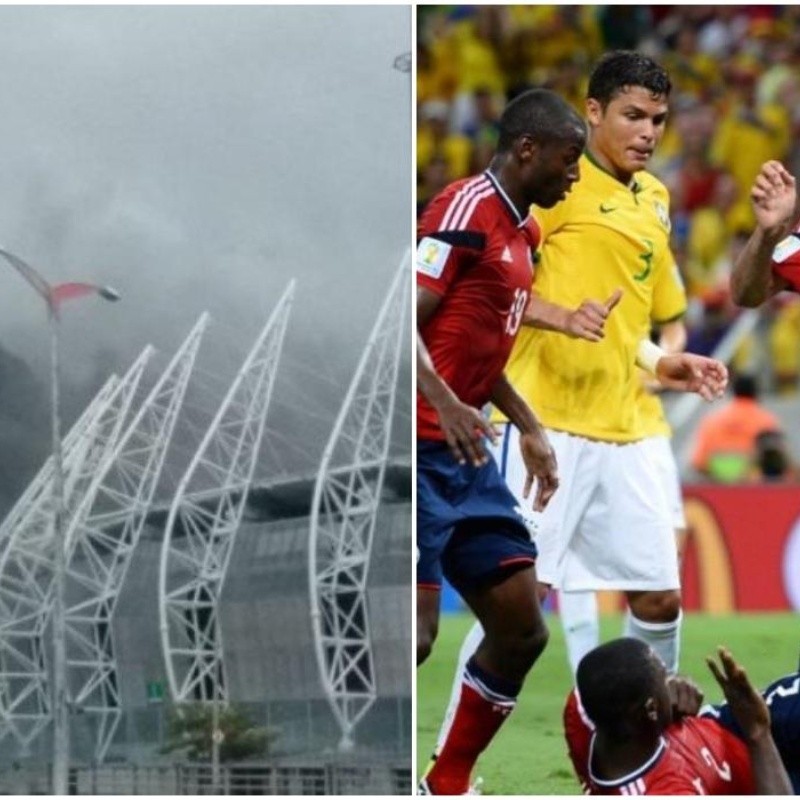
column 198, row 158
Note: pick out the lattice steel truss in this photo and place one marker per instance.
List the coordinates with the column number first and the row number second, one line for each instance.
column 26, row 556
column 344, row 512
column 204, row 518
column 103, row 535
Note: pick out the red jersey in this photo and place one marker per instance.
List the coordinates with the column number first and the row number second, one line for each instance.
column 786, row 259
column 475, row 251
column 695, row 756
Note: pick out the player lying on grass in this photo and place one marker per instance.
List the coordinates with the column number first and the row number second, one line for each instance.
column 631, row 729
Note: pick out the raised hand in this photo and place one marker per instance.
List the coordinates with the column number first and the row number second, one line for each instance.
column 747, row 704
column 774, row 196
column 687, row 372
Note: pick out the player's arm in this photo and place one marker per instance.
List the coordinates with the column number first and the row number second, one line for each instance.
column 683, row 372
column 463, row 426
column 538, row 455
column 685, row 696
column 672, row 338
column 752, row 714
column 774, row 199
column 585, row 322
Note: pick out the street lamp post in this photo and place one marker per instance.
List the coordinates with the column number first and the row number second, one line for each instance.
column 54, row 295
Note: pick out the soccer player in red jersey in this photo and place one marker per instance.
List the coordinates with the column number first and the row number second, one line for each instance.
column 770, row 261
column 474, row 274
column 631, row 730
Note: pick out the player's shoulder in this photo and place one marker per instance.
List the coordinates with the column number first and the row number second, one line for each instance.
column 578, row 728
column 651, row 185
column 459, row 206
column 786, row 260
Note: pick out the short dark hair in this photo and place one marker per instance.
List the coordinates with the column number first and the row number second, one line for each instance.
column 745, row 385
column 539, row 113
column 615, row 680
column 622, row 68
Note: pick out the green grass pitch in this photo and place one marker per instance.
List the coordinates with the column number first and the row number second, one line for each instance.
column 528, row 756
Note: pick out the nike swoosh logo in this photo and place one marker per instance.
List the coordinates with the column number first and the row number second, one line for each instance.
column 604, row 210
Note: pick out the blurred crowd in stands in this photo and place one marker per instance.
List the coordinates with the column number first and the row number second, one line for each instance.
column 735, row 104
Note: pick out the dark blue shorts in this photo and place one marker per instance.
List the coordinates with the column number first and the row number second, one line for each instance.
column 783, row 699
column 468, row 525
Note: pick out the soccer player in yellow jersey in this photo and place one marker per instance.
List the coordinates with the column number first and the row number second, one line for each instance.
column 609, row 525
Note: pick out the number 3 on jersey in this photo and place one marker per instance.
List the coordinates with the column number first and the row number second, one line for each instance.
column 518, row 306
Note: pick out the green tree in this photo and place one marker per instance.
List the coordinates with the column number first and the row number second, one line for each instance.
column 190, row 728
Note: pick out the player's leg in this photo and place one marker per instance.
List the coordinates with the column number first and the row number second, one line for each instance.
column 670, row 476
column 514, row 636
column 515, row 633
column 546, row 528
column 580, row 620
column 626, row 542
column 436, row 468
column 662, row 610
column 655, row 618
column 490, row 548
column 465, row 653
column 651, row 618
column 427, row 621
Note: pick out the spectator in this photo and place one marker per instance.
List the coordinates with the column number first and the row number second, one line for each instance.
column 747, row 136
column 725, row 445
column 434, row 140
column 772, row 462
column 433, row 179
column 484, row 130
column 783, row 345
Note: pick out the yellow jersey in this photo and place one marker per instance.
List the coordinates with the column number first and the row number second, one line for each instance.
column 651, row 411
column 604, row 236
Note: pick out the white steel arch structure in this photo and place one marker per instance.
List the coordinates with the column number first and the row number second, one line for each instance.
column 344, row 511
column 26, row 559
column 103, row 535
column 204, row 518
column 24, row 703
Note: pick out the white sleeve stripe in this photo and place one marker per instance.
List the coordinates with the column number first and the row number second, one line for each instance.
column 462, row 196
column 467, row 213
column 786, row 248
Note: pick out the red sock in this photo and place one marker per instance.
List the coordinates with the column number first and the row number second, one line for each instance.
column 477, row 720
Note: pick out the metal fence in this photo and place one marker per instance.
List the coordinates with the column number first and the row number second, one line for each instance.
column 297, row 778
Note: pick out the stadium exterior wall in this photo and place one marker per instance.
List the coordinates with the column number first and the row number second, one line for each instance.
column 267, row 636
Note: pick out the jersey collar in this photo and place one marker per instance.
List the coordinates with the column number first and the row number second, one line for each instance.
column 631, row 777
column 635, row 186
column 512, row 209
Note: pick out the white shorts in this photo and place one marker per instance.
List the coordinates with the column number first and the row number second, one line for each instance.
column 609, row 524
column 660, row 453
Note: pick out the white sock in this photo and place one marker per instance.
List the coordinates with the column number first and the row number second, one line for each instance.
column 663, row 637
column 581, row 624
column 468, row 648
